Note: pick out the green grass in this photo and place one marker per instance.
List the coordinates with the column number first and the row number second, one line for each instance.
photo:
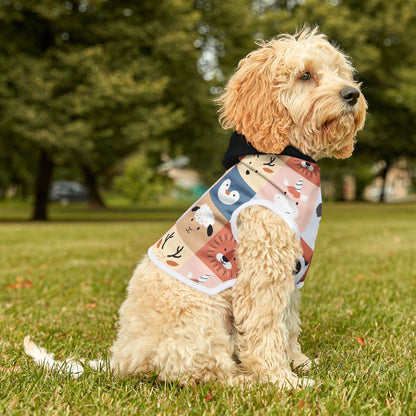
column 62, row 282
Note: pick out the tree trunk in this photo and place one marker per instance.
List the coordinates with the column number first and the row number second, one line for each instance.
column 384, row 177
column 42, row 185
column 95, row 199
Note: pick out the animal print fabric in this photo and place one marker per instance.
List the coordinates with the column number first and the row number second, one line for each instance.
column 199, row 249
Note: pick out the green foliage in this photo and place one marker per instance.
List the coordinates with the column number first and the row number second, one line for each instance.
column 82, row 90
column 140, row 181
column 224, row 36
column 92, row 83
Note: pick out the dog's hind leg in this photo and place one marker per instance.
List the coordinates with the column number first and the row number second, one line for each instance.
column 198, row 349
column 173, row 329
column 300, row 360
column 267, row 252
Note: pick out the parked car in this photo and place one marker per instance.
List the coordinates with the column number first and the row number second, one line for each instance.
column 68, row 191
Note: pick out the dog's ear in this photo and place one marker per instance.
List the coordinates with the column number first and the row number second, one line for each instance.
column 251, row 103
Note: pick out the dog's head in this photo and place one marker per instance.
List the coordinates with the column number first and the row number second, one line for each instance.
column 295, row 90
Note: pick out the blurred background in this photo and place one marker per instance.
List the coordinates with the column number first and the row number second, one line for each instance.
column 108, row 100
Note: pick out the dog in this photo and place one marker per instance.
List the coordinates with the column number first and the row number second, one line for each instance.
column 228, row 310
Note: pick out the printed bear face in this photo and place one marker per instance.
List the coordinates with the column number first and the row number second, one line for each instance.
column 219, row 255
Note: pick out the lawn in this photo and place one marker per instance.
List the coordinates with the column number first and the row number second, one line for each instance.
column 62, row 282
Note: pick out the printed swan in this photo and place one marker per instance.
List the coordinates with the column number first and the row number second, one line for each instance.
column 225, row 196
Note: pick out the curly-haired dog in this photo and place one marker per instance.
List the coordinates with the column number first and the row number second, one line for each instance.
column 218, row 295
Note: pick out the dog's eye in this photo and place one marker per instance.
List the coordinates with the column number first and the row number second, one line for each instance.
column 306, row 76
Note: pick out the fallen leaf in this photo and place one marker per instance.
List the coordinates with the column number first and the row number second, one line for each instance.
column 20, row 285
column 359, row 277
column 301, row 404
column 310, row 314
column 10, row 287
column 361, row 341
column 209, row 396
column 91, row 305
column 349, row 312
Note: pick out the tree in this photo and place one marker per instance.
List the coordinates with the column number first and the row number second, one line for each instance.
column 223, row 35
column 91, row 83
column 140, row 181
column 81, row 83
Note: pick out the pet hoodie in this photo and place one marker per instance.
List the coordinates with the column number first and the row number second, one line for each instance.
column 199, row 249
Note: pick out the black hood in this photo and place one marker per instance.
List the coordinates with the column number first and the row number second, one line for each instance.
column 239, row 146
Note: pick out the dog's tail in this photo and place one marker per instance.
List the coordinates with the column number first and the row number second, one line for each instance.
column 71, row 365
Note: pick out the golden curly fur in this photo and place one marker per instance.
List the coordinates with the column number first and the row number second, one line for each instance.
column 294, row 90
column 287, row 92
column 265, row 101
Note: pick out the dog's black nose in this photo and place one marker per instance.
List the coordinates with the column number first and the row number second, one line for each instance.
column 350, row 95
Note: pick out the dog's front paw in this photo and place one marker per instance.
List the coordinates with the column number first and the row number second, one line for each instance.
column 297, row 383
column 306, row 382
column 304, row 364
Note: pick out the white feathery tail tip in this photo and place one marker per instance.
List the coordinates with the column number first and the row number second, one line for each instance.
column 45, row 359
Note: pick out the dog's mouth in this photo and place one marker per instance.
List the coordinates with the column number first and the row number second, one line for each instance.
column 345, row 117
column 338, row 136
column 341, row 124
